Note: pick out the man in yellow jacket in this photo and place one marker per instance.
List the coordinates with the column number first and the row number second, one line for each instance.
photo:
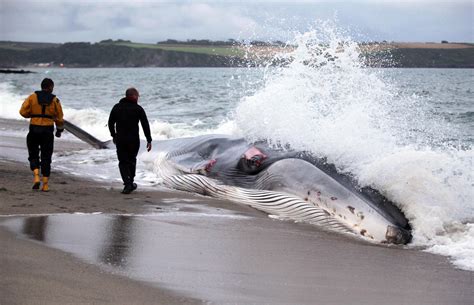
column 44, row 110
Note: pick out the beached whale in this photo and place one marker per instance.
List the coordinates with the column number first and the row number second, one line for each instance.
column 287, row 184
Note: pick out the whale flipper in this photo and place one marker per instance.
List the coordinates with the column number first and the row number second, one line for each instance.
column 85, row 136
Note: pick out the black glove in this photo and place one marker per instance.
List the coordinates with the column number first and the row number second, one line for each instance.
column 59, row 132
column 114, row 141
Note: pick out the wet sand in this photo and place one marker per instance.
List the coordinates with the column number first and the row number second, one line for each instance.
column 34, row 274
column 258, row 260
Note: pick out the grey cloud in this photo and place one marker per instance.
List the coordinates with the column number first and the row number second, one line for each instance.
column 151, row 21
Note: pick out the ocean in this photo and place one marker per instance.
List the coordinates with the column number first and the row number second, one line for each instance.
column 408, row 133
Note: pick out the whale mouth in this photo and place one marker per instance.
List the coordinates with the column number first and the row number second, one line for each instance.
column 396, row 235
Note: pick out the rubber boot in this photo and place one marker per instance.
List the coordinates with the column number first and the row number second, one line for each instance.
column 36, row 179
column 45, row 187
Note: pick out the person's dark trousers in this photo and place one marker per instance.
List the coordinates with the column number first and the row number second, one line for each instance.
column 127, row 152
column 40, row 143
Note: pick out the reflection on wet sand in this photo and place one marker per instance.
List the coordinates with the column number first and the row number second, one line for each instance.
column 118, row 241
column 35, row 227
column 229, row 258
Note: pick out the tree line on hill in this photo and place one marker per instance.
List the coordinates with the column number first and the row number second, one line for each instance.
column 205, row 42
column 229, row 42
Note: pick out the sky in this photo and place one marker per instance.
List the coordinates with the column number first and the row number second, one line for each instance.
column 152, row 21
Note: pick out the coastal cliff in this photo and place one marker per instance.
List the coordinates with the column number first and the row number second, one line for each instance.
column 208, row 54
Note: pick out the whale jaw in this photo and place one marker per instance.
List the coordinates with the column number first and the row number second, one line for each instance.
column 396, row 235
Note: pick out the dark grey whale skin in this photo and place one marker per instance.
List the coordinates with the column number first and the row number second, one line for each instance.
column 232, row 168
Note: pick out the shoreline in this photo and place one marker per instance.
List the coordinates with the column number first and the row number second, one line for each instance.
column 248, row 260
column 34, row 273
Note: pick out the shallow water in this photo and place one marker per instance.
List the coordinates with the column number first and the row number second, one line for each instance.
column 224, row 257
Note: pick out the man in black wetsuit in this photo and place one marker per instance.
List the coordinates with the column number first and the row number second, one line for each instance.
column 123, row 126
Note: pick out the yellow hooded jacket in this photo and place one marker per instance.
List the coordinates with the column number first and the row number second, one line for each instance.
column 44, row 109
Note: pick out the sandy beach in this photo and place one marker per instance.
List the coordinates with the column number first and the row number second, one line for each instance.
column 240, row 257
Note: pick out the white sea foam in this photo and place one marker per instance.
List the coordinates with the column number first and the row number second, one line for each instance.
column 91, row 119
column 326, row 102
column 94, row 121
column 10, row 102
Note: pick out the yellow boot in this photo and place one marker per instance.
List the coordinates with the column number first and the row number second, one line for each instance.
column 36, row 179
column 45, row 187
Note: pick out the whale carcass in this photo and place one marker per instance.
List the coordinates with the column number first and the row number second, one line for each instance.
column 288, row 184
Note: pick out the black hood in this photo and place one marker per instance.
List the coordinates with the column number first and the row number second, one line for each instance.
column 125, row 100
column 44, row 98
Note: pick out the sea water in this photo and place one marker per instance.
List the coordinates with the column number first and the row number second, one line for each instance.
column 406, row 132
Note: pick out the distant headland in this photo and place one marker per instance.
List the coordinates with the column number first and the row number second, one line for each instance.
column 13, row 71
column 230, row 53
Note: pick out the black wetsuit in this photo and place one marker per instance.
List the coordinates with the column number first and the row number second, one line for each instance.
column 123, row 126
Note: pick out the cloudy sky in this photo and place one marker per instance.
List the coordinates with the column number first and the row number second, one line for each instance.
column 152, row 21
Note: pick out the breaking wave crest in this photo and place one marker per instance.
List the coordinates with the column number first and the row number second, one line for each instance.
column 327, row 102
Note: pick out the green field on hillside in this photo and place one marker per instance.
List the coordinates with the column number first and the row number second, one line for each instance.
column 209, row 50
column 25, row 46
column 200, row 49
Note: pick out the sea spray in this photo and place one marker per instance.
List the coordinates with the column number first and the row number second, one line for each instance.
column 324, row 100
column 10, row 102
